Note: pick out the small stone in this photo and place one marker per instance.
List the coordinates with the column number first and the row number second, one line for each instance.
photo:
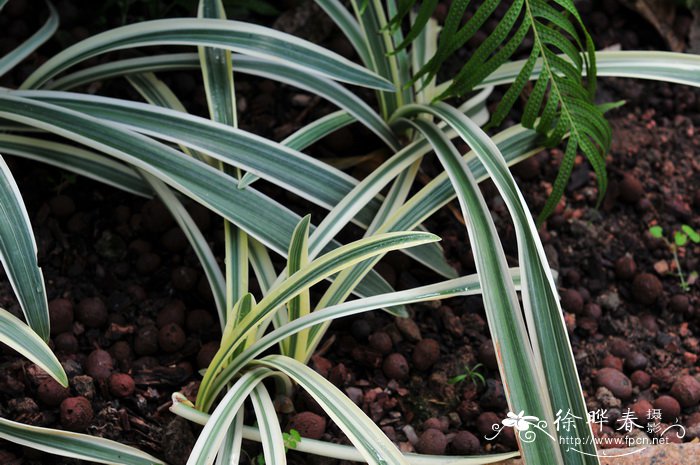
column 528, row 169
column 206, row 354
column 408, row 328
column 146, row 340
column 66, row 343
column 631, row 189
column 465, row 443
column 99, row 364
column 572, row 301
column 395, row 366
column 184, row 278
column 494, row 396
column 308, row 424
column 619, row 347
column 432, row 442
column 609, row 300
column 92, row 312
column 199, row 321
column 121, row 385
column 686, row 391
column 171, row 338
column 148, row 262
column 607, row 399
column 615, row 381
column 486, row 422
column 155, row 217
column 426, row 353
column 487, row 355
column 360, row 329
column 593, row 311
column 381, row 342
column 610, row 361
column 625, row 267
column 76, row 413
column 679, row 304
column 60, row 316
column 172, row 312
column 670, row 408
column 436, row 423
column 641, row 379
column 51, row 393
column 636, row 361
column 641, row 409
column 647, row 288
column 121, row 352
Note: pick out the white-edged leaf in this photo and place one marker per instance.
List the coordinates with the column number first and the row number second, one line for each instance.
column 269, row 427
column 26, row 48
column 236, row 36
column 20, row 337
column 18, row 254
column 74, row 445
column 365, row 435
column 76, row 160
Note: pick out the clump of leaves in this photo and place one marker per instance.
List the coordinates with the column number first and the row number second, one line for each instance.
column 470, row 373
column 679, row 239
column 560, row 103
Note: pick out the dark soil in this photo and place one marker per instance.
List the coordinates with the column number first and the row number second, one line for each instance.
column 143, row 321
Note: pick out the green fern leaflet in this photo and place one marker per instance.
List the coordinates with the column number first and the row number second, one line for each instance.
column 561, row 101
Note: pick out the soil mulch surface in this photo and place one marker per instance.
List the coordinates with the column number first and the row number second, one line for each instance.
column 133, row 321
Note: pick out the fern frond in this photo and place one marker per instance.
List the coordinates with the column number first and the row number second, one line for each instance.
column 561, row 102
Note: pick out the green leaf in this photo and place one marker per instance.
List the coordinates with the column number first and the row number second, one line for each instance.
column 25, row 49
column 298, row 258
column 351, row 29
column 680, row 239
column 317, row 270
column 18, row 254
column 273, row 443
column 230, row 35
column 74, row 445
column 656, row 231
column 691, row 233
column 553, row 354
column 524, row 379
column 21, row 338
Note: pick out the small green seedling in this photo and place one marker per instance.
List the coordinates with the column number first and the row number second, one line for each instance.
column 291, row 440
column 469, row 373
column 680, row 239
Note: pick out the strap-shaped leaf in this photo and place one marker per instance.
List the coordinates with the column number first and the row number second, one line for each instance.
column 231, row 35
column 21, row 338
column 365, row 435
column 542, row 310
column 26, row 48
column 274, row 450
column 181, row 407
column 317, row 270
column 298, row 258
column 76, row 160
column 74, row 445
column 523, row 380
column 18, row 254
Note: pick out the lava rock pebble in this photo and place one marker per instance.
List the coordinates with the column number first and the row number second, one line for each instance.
column 636, row 361
column 647, row 288
column 395, row 366
column 199, row 321
column 92, row 312
column 76, row 413
column 619, row 384
column 641, row 410
column 146, row 340
column 184, row 278
column 465, row 443
column 99, row 364
column 426, row 353
column 679, row 304
column 631, row 189
column 51, row 393
column 485, row 423
column 572, row 301
column 60, row 316
column 487, row 355
column 686, row 390
column 171, row 338
column 172, row 312
column 206, row 354
column 62, row 206
column 121, row 385
column 641, row 379
column 308, row 424
column 432, row 441
column 625, row 267
column 66, row 343
column 670, row 408
column 381, row 342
